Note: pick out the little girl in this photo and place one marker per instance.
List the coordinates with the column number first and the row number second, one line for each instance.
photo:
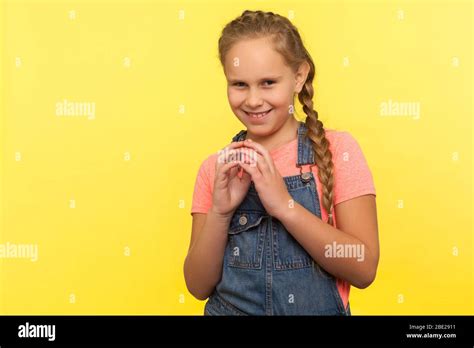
column 264, row 236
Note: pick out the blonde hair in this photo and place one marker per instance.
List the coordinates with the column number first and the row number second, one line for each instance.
column 287, row 41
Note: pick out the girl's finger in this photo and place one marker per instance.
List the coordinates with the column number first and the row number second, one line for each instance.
column 224, row 170
column 262, row 164
column 262, row 151
column 255, row 159
column 229, row 151
column 253, row 171
column 234, row 171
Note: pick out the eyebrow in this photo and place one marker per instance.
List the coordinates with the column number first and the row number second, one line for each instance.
column 261, row 80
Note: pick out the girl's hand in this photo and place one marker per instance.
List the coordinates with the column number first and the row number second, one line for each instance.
column 229, row 189
column 269, row 184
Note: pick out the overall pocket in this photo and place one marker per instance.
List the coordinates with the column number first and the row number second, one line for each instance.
column 246, row 239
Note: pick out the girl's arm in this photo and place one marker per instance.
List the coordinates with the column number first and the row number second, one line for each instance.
column 203, row 264
column 357, row 229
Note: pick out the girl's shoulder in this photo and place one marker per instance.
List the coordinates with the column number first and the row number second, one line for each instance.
column 337, row 137
column 342, row 142
column 335, row 133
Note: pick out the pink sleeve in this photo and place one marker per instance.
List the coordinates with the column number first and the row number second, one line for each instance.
column 352, row 176
column 202, row 196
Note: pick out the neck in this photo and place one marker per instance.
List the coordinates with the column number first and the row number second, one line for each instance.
column 285, row 134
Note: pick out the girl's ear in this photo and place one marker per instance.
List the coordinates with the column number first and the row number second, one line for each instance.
column 301, row 76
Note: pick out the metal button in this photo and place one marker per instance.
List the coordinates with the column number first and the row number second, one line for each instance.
column 306, row 177
column 243, row 220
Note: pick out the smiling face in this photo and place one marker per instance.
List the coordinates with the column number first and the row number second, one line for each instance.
column 261, row 87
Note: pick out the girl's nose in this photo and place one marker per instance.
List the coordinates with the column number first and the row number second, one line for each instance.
column 254, row 100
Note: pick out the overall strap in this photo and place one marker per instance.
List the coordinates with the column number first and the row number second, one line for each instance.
column 305, row 147
column 239, row 136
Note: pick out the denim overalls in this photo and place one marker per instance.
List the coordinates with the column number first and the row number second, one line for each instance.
column 265, row 270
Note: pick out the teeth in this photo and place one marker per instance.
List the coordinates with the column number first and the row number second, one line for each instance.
column 259, row 115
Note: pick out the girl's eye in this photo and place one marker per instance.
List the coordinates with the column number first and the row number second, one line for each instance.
column 242, row 84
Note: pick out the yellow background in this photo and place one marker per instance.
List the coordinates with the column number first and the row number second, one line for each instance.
column 160, row 97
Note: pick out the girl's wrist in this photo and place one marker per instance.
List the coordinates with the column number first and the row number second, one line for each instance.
column 286, row 209
column 221, row 216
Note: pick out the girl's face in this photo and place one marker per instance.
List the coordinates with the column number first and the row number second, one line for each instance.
column 260, row 86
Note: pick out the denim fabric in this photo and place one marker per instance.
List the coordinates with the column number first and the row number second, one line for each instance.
column 265, row 270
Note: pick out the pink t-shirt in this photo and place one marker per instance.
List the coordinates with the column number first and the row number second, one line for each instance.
column 352, row 177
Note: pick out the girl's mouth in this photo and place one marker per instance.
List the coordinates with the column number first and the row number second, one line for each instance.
column 258, row 116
